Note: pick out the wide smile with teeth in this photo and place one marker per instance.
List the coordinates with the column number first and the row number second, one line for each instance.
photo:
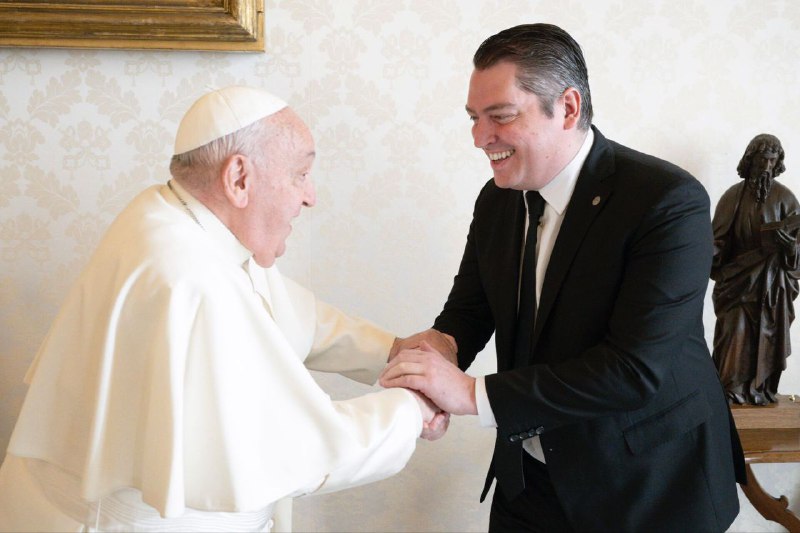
column 499, row 156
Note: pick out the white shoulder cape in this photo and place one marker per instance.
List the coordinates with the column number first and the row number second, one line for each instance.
column 165, row 371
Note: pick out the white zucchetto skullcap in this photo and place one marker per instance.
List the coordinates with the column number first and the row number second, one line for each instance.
column 221, row 112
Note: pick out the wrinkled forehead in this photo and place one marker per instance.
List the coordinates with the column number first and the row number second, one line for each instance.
column 291, row 137
column 302, row 139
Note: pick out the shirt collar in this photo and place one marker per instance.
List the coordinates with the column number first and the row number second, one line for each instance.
column 219, row 234
column 558, row 192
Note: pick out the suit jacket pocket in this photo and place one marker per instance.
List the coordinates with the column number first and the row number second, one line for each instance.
column 679, row 418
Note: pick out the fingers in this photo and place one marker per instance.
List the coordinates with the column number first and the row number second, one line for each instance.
column 436, row 340
column 401, row 367
column 400, row 344
column 405, row 381
column 450, row 357
column 443, row 344
column 435, row 377
column 434, row 421
column 413, row 369
column 407, row 361
column 437, row 427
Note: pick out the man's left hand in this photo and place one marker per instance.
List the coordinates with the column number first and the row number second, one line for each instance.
column 441, row 342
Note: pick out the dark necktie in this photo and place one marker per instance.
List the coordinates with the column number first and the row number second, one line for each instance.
column 526, row 314
column 508, row 457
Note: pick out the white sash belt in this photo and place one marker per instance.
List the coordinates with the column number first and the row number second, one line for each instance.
column 124, row 509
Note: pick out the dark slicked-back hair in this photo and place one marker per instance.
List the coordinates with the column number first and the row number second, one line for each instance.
column 548, row 61
column 763, row 143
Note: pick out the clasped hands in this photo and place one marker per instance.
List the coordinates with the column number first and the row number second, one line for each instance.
column 426, row 364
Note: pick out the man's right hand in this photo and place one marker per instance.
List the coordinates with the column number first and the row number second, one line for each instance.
column 426, row 371
column 441, row 342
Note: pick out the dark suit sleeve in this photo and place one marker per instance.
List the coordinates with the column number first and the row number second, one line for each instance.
column 467, row 315
column 656, row 313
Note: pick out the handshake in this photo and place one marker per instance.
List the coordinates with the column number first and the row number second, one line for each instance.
column 426, row 365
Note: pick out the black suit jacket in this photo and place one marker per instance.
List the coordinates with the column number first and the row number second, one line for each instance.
column 620, row 387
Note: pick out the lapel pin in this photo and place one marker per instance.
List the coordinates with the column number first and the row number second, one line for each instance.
column 595, row 200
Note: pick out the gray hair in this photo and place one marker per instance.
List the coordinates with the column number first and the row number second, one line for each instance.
column 548, row 62
column 199, row 167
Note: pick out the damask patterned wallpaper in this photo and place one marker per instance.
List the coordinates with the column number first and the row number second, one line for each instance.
column 382, row 83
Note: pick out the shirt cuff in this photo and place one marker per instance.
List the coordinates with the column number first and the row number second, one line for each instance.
column 485, row 413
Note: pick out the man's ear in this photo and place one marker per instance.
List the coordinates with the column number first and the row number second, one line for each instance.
column 237, row 180
column 570, row 104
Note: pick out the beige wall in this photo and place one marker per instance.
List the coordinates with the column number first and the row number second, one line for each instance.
column 382, row 84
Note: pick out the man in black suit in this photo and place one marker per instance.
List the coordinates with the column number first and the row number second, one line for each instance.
column 608, row 409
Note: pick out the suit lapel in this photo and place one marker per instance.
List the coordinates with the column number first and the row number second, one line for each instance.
column 588, row 199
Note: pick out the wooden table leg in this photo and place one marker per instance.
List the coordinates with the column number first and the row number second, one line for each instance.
column 775, row 509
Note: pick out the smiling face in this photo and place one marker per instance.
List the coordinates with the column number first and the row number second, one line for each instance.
column 525, row 147
column 281, row 188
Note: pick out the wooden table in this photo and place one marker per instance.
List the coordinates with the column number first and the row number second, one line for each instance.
column 770, row 434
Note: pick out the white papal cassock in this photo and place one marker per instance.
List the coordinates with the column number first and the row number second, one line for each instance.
column 175, row 374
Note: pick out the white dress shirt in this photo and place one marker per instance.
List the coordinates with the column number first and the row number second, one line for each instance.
column 556, row 195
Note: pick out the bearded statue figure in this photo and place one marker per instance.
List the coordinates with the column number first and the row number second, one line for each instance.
column 756, row 269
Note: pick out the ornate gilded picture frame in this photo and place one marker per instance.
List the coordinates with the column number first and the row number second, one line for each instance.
column 223, row 25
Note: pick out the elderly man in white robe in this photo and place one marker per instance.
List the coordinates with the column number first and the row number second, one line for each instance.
column 172, row 392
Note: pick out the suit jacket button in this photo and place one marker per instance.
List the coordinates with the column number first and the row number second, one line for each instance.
column 513, row 438
column 532, row 433
column 539, row 430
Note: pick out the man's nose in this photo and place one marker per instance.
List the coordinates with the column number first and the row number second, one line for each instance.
column 309, row 194
column 483, row 133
